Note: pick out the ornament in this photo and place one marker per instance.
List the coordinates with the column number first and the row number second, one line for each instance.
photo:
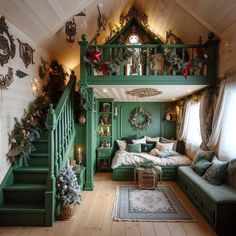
column 95, row 56
column 26, row 53
column 104, row 69
column 7, row 46
column 70, row 31
column 187, row 70
column 6, row 81
column 20, row 74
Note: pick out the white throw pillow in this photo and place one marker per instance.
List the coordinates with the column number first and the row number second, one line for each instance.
column 156, row 139
column 164, row 146
column 137, row 141
column 122, row 145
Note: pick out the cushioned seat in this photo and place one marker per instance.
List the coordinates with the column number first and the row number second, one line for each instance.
column 218, row 194
column 216, row 203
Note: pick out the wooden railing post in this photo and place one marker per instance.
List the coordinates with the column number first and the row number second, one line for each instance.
column 83, row 50
column 51, row 183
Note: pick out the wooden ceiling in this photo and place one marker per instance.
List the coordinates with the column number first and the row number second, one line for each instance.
column 43, row 20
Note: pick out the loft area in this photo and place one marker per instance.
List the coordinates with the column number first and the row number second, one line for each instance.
column 98, row 94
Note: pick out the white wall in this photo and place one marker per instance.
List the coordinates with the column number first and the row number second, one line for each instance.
column 18, row 95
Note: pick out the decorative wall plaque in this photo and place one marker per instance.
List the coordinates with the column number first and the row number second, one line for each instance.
column 7, row 46
column 20, row 74
column 5, row 81
column 144, row 92
column 26, row 53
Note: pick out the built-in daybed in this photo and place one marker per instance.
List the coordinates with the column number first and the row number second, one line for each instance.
column 124, row 162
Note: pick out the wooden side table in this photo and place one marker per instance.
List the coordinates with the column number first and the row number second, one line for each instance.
column 147, row 178
column 103, row 159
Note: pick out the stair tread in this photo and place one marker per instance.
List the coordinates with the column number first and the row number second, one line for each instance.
column 22, row 207
column 36, row 154
column 32, row 169
column 26, row 187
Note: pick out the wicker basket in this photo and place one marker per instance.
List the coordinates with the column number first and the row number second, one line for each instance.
column 68, row 211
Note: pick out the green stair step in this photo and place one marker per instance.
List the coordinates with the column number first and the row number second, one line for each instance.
column 32, row 169
column 36, row 175
column 28, row 193
column 26, row 187
column 22, row 207
column 41, row 146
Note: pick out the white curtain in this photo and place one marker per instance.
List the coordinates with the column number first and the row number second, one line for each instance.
column 224, row 121
column 184, row 123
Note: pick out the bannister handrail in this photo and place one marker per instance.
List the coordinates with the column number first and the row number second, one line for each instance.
column 64, row 97
column 149, row 46
column 60, row 123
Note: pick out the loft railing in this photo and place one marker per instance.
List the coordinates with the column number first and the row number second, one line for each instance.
column 147, row 60
column 61, row 138
column 147, row 64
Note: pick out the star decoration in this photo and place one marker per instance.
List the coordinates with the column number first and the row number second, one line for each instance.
column 95, row 56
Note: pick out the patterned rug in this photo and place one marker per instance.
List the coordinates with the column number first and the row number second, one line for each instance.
column 160, row 204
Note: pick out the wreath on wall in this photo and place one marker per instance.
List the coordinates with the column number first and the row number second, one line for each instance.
column 140, row 118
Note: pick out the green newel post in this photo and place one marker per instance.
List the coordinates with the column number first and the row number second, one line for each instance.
column 51, row 183
column 83, row 49
column 88, row 96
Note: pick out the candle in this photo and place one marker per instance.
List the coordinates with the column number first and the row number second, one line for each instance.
column 79, row 150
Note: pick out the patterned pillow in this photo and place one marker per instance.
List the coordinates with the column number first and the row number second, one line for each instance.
column 158, row 153
column 146, row 147
column 201, row 166
column 153, row 143
column 122, row 145
column 134, row 148
column 141, row 140
column 156, row 139
column 164, row 146
column 208, row 155
column 231, row 174
column 165, row 140
column 216, row 172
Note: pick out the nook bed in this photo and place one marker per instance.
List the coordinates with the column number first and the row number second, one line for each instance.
column 124, row 162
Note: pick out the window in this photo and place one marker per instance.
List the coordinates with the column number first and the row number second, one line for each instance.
column 193, row 133
column 227, row 142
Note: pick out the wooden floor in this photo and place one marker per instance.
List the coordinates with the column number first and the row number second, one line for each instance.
column 94, row 218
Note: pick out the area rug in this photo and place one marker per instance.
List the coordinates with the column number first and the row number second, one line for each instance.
column 160, row 204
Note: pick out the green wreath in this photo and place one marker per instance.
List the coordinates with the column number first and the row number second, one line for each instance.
column 146, row 118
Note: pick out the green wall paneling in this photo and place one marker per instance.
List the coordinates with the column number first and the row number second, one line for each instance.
column 158, row 127
column 80, row 140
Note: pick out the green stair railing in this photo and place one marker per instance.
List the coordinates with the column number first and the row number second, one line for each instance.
column 61, row 128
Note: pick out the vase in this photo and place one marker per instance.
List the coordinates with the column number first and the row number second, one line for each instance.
column 81, row 119
column 68, row 211
column 168, row 116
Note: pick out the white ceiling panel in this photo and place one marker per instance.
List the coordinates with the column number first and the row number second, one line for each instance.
column 169, row 92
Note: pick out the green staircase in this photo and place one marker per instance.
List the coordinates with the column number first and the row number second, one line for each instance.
column 28, row 193
column 24, row 199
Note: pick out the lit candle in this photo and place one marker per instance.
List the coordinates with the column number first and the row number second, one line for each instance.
column 79, row 150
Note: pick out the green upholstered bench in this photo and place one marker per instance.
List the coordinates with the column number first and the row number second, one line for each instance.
column 216, row 203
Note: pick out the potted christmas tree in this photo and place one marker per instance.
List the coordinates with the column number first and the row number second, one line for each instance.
column 68, row 192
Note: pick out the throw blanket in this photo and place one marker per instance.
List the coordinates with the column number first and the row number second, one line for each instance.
column 123, row 158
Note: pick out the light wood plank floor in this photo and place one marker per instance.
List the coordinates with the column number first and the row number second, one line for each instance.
column 94, row 218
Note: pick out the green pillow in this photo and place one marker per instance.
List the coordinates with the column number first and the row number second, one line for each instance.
column 164, row 154
column 145, row 147
column 201, row 166
column 134, row 147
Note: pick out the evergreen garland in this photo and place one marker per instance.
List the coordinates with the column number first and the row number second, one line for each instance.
column 68, row 189
column 27, row 130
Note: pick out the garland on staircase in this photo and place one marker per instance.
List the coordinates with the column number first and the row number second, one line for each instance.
column 27, row 130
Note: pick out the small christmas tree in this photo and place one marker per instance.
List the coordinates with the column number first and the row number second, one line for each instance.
column 68, row 189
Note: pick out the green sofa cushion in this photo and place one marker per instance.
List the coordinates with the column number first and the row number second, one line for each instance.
column 201, row 166
column 218, row 194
